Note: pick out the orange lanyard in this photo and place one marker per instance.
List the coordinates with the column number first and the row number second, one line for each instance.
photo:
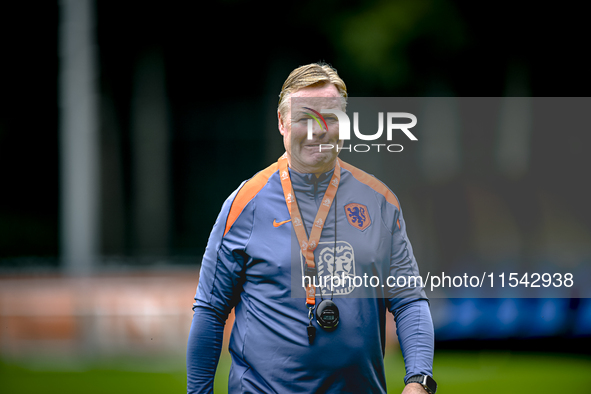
column 308, row 245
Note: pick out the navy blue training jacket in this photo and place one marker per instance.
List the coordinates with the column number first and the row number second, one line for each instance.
column 253, row 263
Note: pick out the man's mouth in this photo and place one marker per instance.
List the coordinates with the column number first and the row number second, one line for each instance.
column 313, row 147
column 320, row 146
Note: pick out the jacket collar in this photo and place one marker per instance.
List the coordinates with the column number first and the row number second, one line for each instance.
column 309, row 182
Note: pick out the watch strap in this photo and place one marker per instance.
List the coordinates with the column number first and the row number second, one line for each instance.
column 424, row 380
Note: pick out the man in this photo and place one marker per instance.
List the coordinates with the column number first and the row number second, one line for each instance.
column 308, row 216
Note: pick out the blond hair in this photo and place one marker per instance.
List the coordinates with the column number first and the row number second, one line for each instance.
column 310, row 75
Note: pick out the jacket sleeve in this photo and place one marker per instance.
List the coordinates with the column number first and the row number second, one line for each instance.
column 409, row 304
column 414, row 328
column 218, row 291
column 203, row 350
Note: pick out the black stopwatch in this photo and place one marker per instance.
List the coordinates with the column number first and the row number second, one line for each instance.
column 327, row 315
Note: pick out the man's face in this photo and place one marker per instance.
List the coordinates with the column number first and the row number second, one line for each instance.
column 304, row 155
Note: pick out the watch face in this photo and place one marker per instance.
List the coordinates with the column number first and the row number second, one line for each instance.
column 430, row 384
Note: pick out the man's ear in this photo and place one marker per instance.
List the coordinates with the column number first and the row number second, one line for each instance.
column 280, row 123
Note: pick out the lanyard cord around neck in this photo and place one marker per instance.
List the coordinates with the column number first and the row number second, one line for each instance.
column 334, row 251
column 308, row 244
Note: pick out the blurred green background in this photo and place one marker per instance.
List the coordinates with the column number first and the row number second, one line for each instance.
column 458, row 372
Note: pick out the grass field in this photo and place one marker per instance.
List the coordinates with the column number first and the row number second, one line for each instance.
column 456, row 372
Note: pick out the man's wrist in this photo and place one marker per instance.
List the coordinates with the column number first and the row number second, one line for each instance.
column 414, row 388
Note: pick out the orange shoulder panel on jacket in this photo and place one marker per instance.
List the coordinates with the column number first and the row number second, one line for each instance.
column 247, row 193
column 372, row 182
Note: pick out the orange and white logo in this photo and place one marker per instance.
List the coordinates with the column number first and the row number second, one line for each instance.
column 335, row 182
column 284, row 175
column 304, row 245
column 297, row 222
column 277, row 224
column 289, row 198
column 318, row 223
column 326, row 202
column 312, row 245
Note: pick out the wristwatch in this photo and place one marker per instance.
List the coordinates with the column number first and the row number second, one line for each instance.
column 424, row 380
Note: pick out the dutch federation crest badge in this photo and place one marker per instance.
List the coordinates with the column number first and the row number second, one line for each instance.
column 358, row 216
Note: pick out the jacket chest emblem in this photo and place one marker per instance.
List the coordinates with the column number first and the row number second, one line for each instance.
column 358, row 216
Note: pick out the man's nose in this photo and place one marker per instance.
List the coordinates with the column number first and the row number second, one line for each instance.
column 318, row 131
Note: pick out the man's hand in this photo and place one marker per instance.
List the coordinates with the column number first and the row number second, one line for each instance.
column 414, row 388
